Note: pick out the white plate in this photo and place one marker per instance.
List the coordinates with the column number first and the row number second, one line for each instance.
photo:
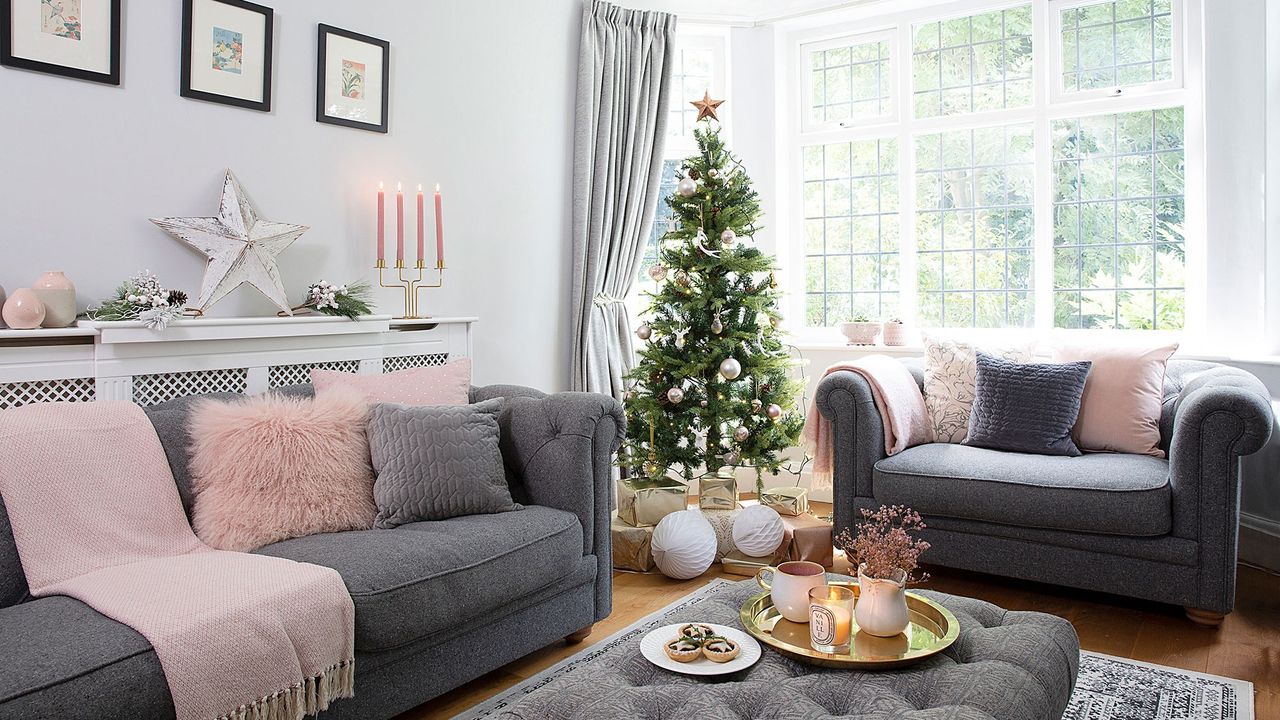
column 653, row 647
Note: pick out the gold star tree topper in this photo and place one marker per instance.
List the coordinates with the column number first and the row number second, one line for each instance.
column 240, row 246
column 707, row 107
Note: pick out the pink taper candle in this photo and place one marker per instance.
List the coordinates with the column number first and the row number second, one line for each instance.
column 439, row 231
column 399, row 225
column 422, row 230
column 382, row 223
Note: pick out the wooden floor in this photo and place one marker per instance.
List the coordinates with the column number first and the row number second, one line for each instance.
column 1247, row 646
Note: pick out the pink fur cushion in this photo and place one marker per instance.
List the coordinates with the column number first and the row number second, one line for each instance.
column 448, row 384
column 269, row 467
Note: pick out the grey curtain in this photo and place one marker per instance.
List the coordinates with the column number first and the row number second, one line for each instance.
column 624, row 74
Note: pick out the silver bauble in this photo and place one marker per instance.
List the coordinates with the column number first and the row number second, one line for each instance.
column 686, row 188
column 728, row 237
column 732, row 458
column 683, row 279
column 756, row 405
column 741, row 433
column 658, row 273
column 730, row 369
column 717, row 326
column 675, row 395
column 644, row 332
column 773, row 411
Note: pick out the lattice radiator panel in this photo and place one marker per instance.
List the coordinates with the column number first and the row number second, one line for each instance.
column 153, row 389
column 14, row 395
column 405, row 362
column 282, row 375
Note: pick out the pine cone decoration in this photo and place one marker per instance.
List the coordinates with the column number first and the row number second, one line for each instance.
column 177, row 298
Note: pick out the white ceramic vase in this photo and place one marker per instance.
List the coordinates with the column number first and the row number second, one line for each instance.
column 59, row 298
column 882, row 604
column 861, row 332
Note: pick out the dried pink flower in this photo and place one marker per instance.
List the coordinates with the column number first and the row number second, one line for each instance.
column 884, row 543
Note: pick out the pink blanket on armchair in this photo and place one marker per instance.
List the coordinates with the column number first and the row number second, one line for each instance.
column 902, row 412
column 96, row 516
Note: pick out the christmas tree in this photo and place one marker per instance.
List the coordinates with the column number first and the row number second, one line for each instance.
column 712, row 388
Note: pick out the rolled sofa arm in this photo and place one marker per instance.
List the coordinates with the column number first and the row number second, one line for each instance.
column 844, row 398
column 560, row 447
column 1221, row 415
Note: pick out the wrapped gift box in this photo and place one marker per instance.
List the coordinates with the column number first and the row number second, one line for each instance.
column 789, row 501
column 642, row 502
column 737, row 563
column 718, row 493
column 631, row 546
column 808, row 538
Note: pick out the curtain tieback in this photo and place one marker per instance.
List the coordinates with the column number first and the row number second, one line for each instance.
column 605, row 299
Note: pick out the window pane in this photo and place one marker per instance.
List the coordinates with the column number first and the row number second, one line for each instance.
column 974, row 227
column 971, row 64
column 690, row 77
column 1118, row 43
column 850, row 82
column 851, row 228
column 663, row 222
column 1120, row 256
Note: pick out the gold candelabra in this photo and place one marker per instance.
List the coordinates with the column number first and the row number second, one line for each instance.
column 410, row 285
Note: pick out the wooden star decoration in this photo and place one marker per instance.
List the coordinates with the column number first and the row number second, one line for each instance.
column 240, row 246
column 707, row 107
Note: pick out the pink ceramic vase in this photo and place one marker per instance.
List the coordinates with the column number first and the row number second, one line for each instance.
column 59, row 298
column 2, row 299
column 23, row 310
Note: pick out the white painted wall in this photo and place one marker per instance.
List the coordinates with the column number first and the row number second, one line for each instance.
column 482, row 102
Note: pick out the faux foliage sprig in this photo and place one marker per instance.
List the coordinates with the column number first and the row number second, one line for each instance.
column 349, row 301
column 142, row 297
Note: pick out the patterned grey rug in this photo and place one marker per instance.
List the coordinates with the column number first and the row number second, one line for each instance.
column 1107, row 688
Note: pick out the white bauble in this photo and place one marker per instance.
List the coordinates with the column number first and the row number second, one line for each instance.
column 644, row 332
column 758, row 530
column 684, row 544
column 686, row 188
column 728, row 238
column 730, row 369
column 675, row 395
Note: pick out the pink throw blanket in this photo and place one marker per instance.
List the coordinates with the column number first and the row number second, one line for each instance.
column 901, row 406
column 96, row 516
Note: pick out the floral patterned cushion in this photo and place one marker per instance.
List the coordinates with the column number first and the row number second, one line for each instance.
column 951, row 381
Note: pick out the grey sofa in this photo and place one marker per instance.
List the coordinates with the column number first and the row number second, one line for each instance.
column 437, row 603
column 1133, row 525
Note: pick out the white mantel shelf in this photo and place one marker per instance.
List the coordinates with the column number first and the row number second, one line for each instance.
column 126, row 360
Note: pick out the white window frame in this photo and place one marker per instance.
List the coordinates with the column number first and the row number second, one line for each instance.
column 1057, row 94
column 845, row 40
column 1042, row 113
column 717, row 41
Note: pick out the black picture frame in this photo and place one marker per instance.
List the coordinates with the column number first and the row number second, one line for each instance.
column 321, row 56
column 7, row 58
column 186, row 90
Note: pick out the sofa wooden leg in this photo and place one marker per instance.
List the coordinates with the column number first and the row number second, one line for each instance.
column 578, row 636
column 1208, row 618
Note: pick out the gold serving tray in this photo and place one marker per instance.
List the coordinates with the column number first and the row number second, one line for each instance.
column 933, row 628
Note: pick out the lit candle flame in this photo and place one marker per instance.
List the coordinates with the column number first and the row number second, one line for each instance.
column 399, row 187
column 380, row 186
column 437, row 187
column 419, row 187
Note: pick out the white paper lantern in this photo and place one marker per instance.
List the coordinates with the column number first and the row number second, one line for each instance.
column 683, row 545
column 758, row 531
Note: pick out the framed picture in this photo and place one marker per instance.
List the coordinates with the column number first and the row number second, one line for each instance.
column 73, row 38
column 226, row 52
column 353, row 80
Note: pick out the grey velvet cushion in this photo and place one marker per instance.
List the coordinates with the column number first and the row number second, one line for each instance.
column 13, row 582
column 64, row 660
column 437, row 462
column 1026, row 407
column 425, row 577
column 1096, row 493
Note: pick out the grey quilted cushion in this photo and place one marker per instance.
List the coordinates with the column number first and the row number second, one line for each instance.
column 1026, row 407
column 437, row 462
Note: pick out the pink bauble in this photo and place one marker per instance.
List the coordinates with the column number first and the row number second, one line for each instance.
column 23, row 310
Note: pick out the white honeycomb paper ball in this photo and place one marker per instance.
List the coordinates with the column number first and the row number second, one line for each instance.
column 758, row 531
column 683, row 545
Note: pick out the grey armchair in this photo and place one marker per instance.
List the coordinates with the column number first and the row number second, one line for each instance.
column 1144, row 527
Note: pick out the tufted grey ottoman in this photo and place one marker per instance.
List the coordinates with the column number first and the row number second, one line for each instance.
column 1005, row 665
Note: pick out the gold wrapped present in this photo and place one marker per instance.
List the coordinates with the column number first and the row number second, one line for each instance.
column 642, row 502
column 631, row 546
column 718, row 493
column 736, row 563
column 785, row 500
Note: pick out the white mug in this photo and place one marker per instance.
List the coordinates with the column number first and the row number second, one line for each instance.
column 790, row 587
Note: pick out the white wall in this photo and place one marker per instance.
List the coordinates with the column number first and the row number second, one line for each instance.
column 482, row 102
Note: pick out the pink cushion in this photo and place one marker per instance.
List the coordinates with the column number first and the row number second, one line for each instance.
column 270, row 467
column 448, row 384
column 1120, row 408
